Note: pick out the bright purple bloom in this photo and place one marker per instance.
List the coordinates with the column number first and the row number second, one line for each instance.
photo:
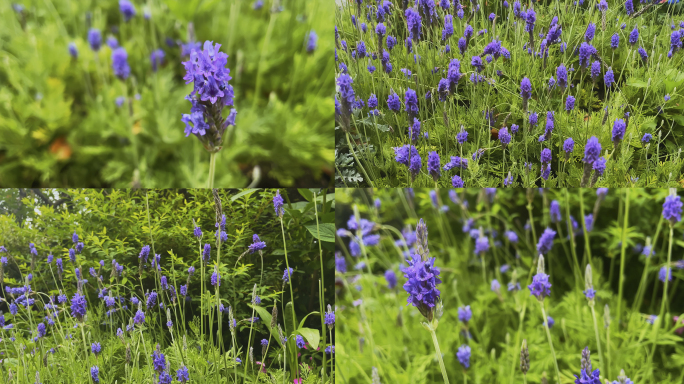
column 94, row 39
column 546, row 241
column 127, row 9
column 672, row 209
column 120, row 63
column 592, row 150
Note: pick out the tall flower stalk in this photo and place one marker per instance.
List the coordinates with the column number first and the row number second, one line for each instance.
column 423, row 278
column 590, row 294
column 278, row 204
column 541, row 288
column 211, row 92
column 672, row 212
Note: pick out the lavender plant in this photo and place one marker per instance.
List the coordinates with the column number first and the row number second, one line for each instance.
column 151, row 320
column 486, row 332
column 477, row 77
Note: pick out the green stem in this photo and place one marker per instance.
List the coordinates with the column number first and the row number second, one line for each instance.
column 439, row 355
column 598, row 341
column 656, row 324
column 287, row 265
column 212, row 168
column 322, row 288
column 548, row 335
column 622, row 253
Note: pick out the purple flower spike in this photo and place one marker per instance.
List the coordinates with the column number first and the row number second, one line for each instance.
column 672, row 209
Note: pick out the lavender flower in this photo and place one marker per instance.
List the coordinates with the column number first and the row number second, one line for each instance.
column 422, row 280
column 211, row 92
column 127, row 9
column 94, row 374
column 182, row 374
column 619, row 128
column 634, row 36
column 206, row 253
column 585, row 53
column 94, row 39
column 312, row 42
column 629, row 7
column 665, row 273
column 433, row 165
column 592, row 150
column 286, row 275
column 591, row 30
column 96, row 348
column 120, row 63
column 462, row 136
column 540, row 286
column 609, row 78
column 643, row 54
column 78, row 306
column 157, row 59
column 411, row 102
column 457, row 182
column 504, row 136
column 646, row 138
column 414, row 22
column 464, row 314
column 555, row 211
column 257, row 244
column 278, row 204
column 525, row 91
column 393, row 102
column 391, row 278
column 615, row 41
column 463, row 356
column 570, row 103
column 546, row 241
column 672, row 209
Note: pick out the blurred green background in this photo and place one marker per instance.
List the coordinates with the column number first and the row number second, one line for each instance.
column 59, row 120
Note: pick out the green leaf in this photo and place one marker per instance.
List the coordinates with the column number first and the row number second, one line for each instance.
column 307, row 194
column 311, row 335
column 304, row 319
column 266, row 319
column 327, row 231
column 246, row 192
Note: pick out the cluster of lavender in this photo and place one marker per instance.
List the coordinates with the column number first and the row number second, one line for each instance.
column 389, row 23
column 211, row 92
column 51, row 312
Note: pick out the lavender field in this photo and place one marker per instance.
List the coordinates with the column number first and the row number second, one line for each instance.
column 509, row 94
column 166, row 286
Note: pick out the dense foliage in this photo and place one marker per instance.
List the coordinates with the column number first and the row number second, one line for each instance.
column 93, row 92
column 499, row 93
column 465, row 267
column 87, row 259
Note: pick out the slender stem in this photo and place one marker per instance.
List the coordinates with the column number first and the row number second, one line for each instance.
column 322, row 286
column 598, row 341
column 622, row 253
column 660, row 321
column 548, row 334
column 439, row 355
column 212, row 168
column 289, row 280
